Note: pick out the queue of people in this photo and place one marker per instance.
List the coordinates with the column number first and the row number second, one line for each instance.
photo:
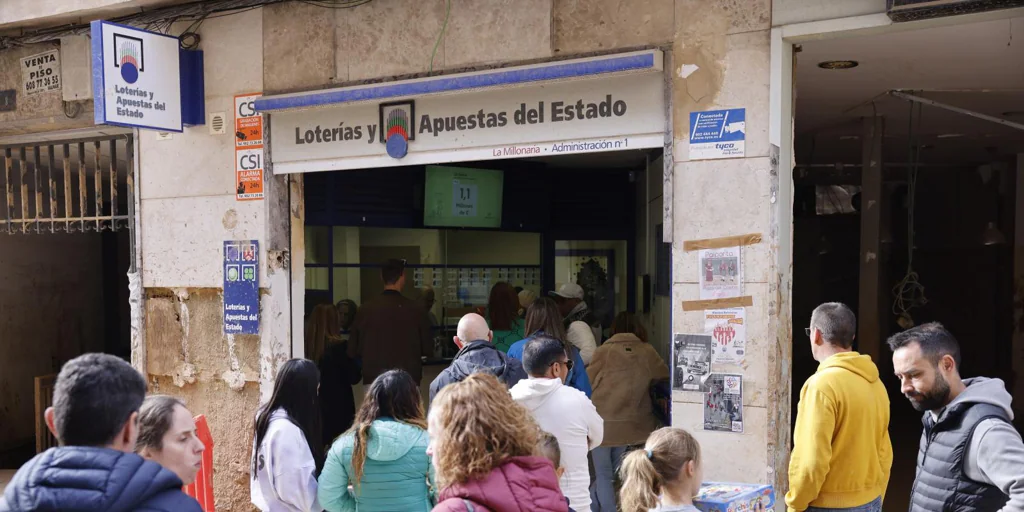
column 542, row 427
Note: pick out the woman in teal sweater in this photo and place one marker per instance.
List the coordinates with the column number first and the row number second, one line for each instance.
column 381, row 463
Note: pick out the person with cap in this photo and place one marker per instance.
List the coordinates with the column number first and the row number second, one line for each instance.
column 582, row 329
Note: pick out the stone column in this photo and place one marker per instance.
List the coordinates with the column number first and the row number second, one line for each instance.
column 721, row 57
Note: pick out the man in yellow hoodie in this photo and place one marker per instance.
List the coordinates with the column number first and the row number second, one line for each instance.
column 841, row 450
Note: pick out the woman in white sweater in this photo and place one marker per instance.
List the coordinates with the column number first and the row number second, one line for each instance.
column 287, row 456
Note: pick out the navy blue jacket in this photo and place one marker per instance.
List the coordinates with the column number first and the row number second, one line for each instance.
column 84, row 479
column 479, row 356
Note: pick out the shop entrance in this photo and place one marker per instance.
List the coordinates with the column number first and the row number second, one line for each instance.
column 66, row 248
column 908, row 200
column 535, row 224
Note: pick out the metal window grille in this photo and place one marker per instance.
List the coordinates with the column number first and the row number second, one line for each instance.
column 71, row 186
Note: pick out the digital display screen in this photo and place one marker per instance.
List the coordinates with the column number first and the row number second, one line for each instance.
column 462, row 197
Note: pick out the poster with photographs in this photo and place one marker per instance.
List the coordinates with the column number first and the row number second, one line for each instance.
column 720, row 273
column 729, row 332
column 691, row 354
column 723, row 403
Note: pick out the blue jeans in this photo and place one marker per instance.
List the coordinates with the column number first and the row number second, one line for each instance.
column 874, row 506
column 606, row 463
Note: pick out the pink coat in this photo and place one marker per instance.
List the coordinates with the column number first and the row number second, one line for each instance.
column 521, row 484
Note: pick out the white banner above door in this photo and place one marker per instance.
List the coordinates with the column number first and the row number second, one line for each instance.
column 507, row 117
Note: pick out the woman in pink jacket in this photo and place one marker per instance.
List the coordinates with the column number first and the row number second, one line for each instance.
column 483, row 447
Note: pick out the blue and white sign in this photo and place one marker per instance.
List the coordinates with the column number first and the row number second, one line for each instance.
column 136, row 77
column 717, row 134
column 241, row 287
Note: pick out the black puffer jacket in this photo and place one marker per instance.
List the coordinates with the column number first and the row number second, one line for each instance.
column 83, row 479
column 479, row 356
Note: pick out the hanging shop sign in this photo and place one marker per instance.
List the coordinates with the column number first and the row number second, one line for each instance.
column 41, row 72
column 136, row 77
column 718, row 134
column 498, row 120
column 242, row 287
column 248, row 149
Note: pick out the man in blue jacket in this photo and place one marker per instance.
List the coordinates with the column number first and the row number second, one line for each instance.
column 94, row 417
column 477, row 354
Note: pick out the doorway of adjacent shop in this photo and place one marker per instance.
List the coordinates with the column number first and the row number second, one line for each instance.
column 908, row 199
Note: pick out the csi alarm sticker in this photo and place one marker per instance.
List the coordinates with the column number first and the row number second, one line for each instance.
column 717, row 134
column 248, row 149
column 248, row 174
column 396, row 127
column 139, row 84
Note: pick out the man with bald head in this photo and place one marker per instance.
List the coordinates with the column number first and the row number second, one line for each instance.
column 477, row 354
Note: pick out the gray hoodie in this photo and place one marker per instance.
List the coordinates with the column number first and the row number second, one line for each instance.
column 996, row 454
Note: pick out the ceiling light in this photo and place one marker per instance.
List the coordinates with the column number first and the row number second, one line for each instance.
column 838, row 64
column 849, row 137
column 949, row 135
column 992, row 235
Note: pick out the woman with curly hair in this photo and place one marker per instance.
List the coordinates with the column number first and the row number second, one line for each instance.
column 484, row 448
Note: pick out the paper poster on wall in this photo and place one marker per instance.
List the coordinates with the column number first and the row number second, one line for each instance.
column 718, row 134
column 728, row 329
column 720, row 273
column 41, row 72
column 723, row 403
column 691, row 354
column 248, row 149
column 242, row 287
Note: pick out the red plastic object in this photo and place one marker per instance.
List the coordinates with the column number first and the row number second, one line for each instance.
column 202, row 488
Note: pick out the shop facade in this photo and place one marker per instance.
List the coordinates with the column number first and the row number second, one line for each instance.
column 302, row 66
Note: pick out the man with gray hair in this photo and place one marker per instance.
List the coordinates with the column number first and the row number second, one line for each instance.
column 841, row 450
column 477, row 354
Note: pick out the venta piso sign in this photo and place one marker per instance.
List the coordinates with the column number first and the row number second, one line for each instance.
column 136, row 77
column 598, row 114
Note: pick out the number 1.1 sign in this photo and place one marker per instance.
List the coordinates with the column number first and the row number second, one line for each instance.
column 464, row 197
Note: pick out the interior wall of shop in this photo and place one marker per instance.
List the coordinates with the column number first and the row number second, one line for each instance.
column 52, row 309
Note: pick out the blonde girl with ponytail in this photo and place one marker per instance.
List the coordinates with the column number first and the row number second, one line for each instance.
column 664, row 476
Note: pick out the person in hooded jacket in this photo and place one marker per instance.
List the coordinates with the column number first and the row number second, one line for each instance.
column 96, row 401
column 971, row 458
column 484, row 449
column 477, row 353
column 841, row 450
column 381, row 463
column 563, row 411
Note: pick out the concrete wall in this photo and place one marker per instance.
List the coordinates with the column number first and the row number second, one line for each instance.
column 51, row 310
column 39, row 112
column 785, row 12
column 188, row 209
column 728, row 42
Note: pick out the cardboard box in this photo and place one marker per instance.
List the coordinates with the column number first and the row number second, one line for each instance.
column 731, row 497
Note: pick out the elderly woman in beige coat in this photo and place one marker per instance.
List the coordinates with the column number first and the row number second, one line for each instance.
column 621, row 374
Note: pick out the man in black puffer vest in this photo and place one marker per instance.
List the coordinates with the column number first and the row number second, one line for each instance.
column 95, row 414
column 971, row 458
